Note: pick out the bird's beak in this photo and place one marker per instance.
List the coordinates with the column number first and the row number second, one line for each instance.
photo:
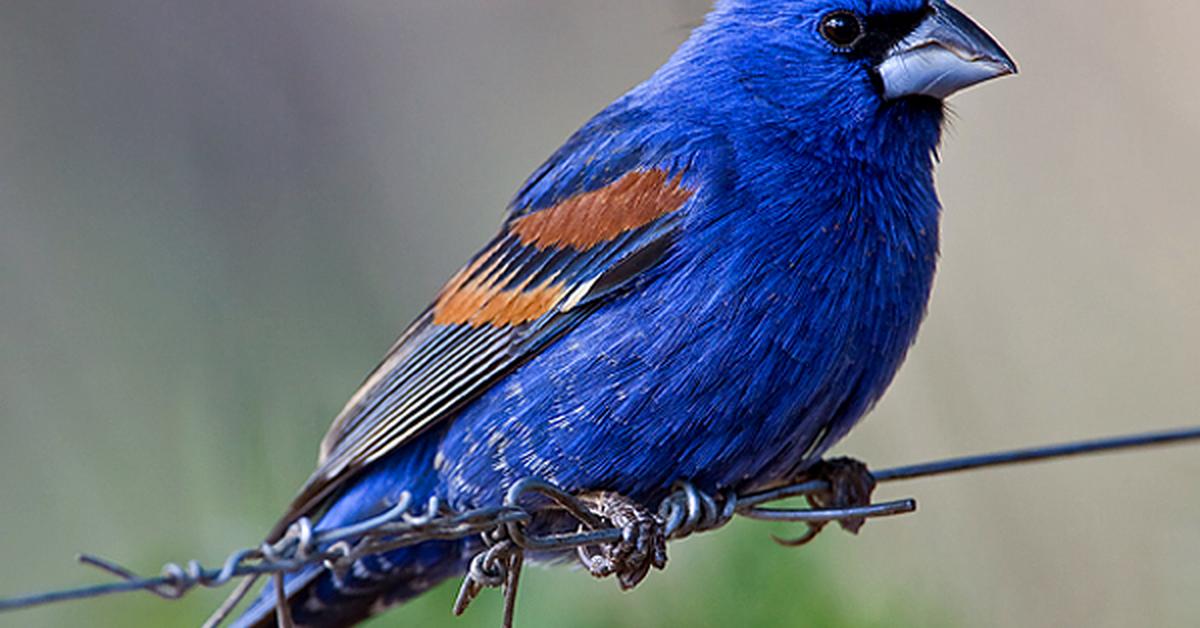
column 947, row 52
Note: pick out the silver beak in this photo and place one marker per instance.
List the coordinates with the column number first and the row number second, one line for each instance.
column 947, row 52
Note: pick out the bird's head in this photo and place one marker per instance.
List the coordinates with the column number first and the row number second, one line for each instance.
column 838, row 62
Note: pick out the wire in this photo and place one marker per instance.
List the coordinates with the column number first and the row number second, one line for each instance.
column 506, row 528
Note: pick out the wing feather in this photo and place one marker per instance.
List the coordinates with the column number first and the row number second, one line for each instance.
column 535, row 281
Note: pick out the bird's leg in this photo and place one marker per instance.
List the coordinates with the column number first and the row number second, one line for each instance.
column 643, row 544
column 850, row 486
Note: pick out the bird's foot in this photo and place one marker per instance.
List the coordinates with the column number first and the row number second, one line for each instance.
column 850, row 486
column 643, row 544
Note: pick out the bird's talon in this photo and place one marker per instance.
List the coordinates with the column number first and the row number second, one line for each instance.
column 850, row 486
column 642, row 546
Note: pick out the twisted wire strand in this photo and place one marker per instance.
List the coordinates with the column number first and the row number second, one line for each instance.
column 504, row 529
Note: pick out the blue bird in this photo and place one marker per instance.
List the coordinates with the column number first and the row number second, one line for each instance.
column 712, row 281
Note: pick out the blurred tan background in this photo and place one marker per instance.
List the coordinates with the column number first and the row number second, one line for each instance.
column 215, row 216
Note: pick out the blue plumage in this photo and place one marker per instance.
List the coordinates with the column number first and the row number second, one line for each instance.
column 712, row 281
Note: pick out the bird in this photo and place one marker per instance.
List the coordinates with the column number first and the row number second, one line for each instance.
column 712, row 281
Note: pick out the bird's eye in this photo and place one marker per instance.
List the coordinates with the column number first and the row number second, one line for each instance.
column 842, row 29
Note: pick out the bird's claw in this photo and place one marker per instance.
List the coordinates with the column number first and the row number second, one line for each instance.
column 643, row 544
column 850, row 486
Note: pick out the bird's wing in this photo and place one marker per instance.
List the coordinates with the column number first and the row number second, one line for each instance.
column 548, row 268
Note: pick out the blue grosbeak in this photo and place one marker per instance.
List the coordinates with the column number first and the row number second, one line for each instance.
column 712, row 281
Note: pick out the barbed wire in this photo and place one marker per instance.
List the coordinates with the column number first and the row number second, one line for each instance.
column 506, row 530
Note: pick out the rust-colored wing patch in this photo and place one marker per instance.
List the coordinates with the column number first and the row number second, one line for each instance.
column 586, row 220
column 505, row 286
column 479, row 296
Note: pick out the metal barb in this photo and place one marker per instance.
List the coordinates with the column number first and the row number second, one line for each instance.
column 506, row 534
column 283, row 610
column 510, row 588
column 222, row 613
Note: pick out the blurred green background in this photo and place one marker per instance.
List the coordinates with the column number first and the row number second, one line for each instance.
column 215, row 216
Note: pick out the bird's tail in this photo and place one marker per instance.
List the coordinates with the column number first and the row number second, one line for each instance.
column 318, row 597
